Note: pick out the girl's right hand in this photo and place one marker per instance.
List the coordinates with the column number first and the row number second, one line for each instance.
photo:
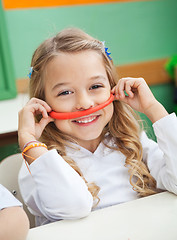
column 28, row 128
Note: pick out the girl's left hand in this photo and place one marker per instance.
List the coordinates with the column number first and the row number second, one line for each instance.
column 140, row 97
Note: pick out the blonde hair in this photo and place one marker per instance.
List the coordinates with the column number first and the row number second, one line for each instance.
column 123, row 126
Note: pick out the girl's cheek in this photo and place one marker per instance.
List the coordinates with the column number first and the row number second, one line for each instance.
column 111, row 110
column 59, row 123
column 64, row 106
column 62, row 125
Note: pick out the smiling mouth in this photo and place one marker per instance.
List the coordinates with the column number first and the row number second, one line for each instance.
column 86, row 120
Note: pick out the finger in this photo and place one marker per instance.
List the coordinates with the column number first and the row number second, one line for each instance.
column 130, row 84
column 125, row 100
column 121, row 87
column 114, row 91
column 44, row 121
column 39, row 109
column 128, row 88
column 39, row 101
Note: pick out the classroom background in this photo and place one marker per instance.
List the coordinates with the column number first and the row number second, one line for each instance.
column 141, row 36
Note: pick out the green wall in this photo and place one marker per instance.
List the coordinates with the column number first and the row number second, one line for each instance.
column 133, row 31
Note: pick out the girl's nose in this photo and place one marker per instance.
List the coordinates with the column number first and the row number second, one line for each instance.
column 84, row 102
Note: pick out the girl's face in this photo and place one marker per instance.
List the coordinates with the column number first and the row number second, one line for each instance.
column 76, row 82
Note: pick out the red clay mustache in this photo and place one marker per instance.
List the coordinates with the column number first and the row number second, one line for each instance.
column 77, row 114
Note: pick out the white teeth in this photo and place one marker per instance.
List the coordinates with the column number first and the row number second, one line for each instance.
column 86, row 120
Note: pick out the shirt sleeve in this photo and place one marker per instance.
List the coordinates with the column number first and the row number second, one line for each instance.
column 7, row 199
column 161, row 157
column 54, row 189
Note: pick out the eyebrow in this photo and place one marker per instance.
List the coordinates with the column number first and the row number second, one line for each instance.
column 98, row 77
column 66, row 83
column 58, row 85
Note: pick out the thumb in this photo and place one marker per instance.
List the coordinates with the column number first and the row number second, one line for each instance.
column 44, row 121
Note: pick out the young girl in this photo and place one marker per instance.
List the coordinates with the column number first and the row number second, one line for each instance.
column 14, row 223
column 81, row 164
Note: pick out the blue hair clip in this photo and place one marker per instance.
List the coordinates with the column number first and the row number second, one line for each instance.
column 106, row 51
column 30, row 72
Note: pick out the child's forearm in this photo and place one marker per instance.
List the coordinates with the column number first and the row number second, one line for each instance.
column 14, row 224
column 32, row 153
column 155, row 112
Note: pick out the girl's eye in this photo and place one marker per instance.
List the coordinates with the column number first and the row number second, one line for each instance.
column 64, row 93
column 96, row 86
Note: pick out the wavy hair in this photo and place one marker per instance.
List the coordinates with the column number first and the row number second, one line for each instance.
column 123, row 127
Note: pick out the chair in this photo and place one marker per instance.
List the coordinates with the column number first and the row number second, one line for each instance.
column 9, row 168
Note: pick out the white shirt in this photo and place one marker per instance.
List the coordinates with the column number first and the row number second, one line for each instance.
column 7, row 199
column 55, row 191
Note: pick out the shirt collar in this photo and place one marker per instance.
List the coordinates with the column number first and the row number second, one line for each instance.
column 75, row 150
